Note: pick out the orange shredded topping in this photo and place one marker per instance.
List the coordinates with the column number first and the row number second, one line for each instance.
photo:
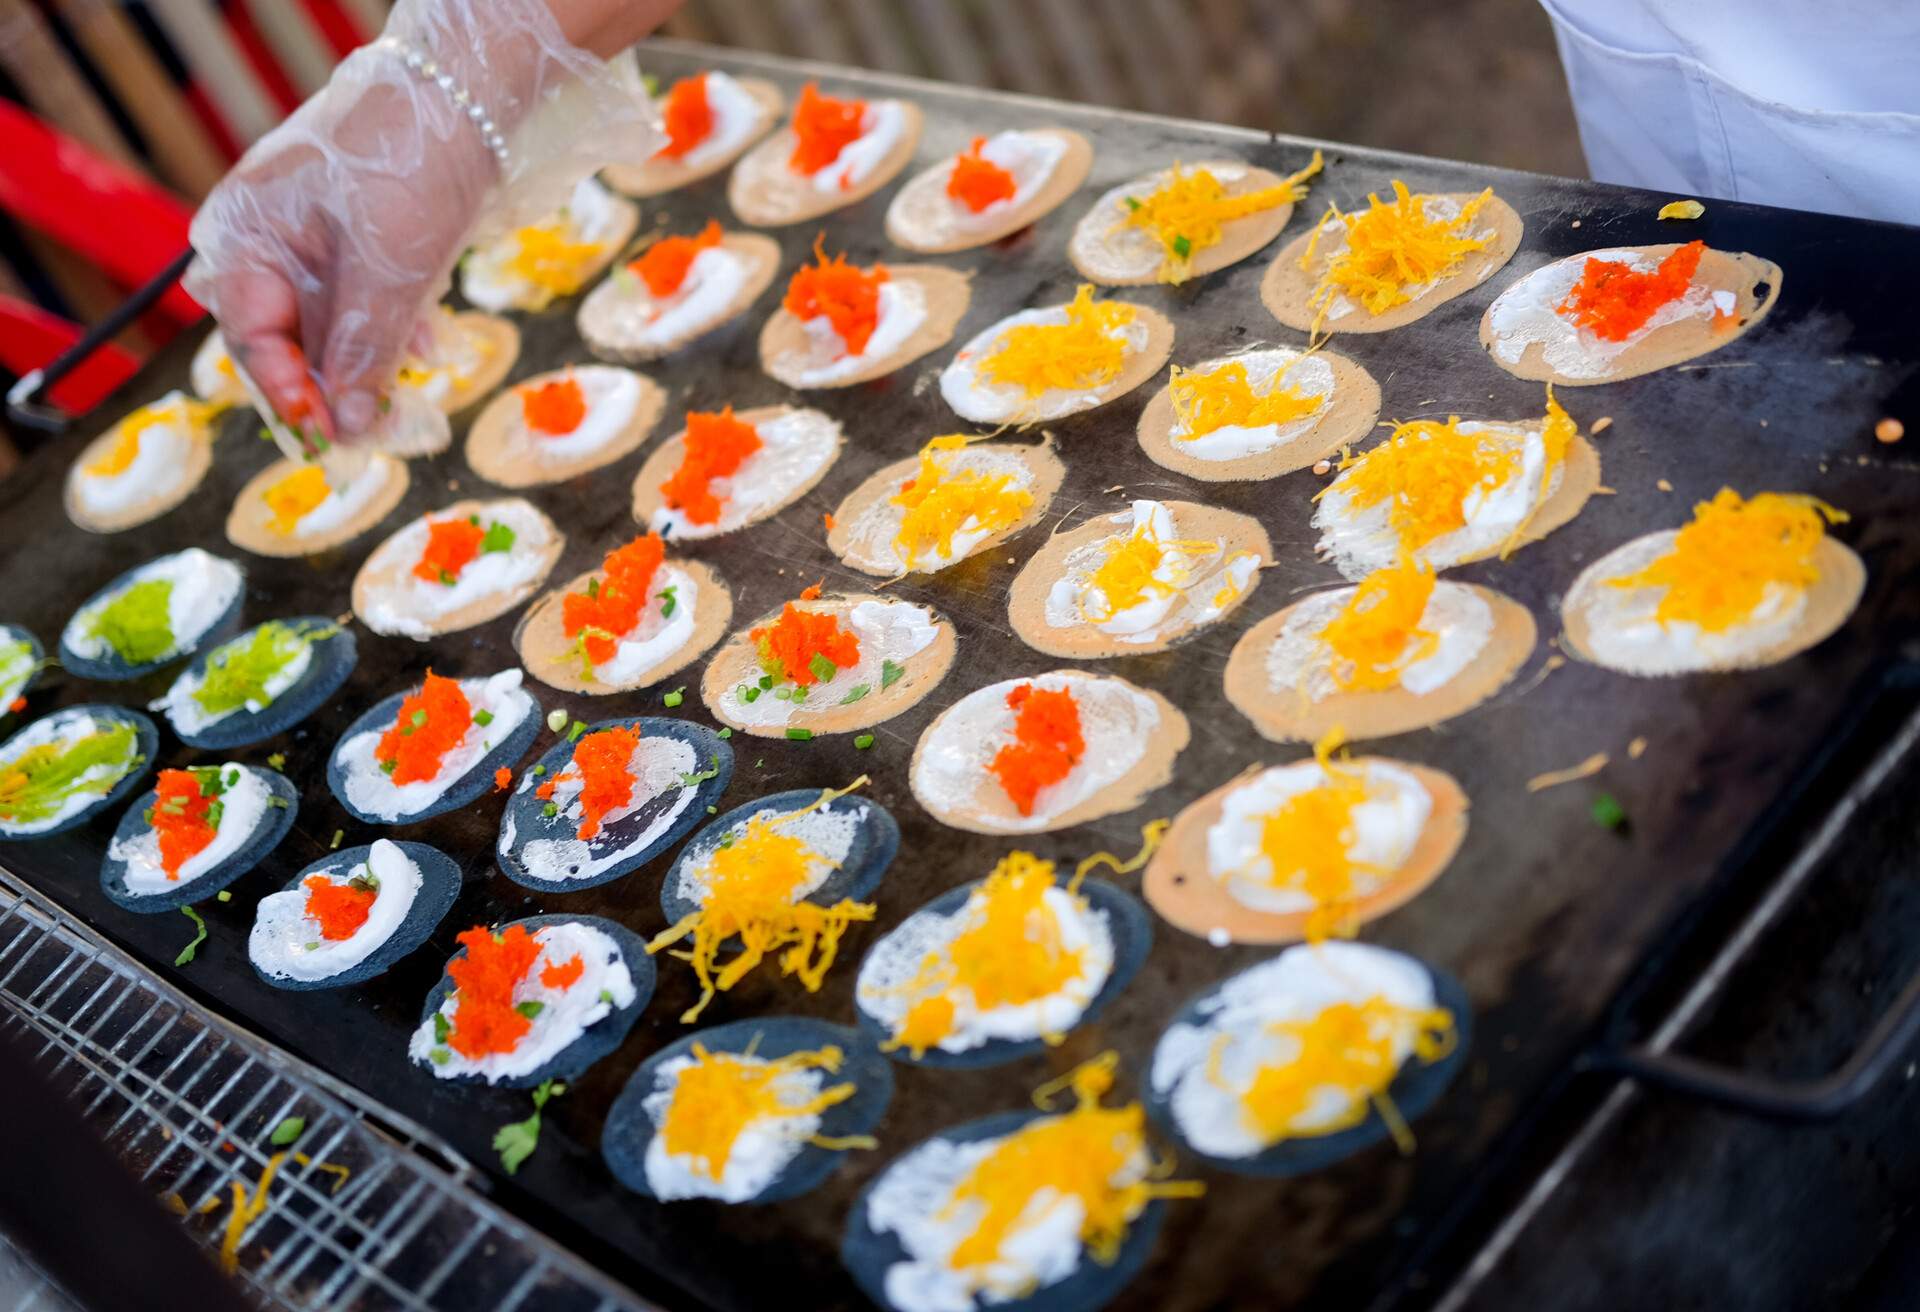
column 822, row 128
column 340, row 908
column 1613, row 300
column 451, row 546
column 430, row 723
column 599, row 618
column 716, row 1098
column 686, row 115
column 663, row 266
column 565, row 974
column 1377, row 634
column 1047, row 743
column 603, row 763
column 791, row 644
column 555, row 407
column 181, row 819
column 484, row 1019
column 847, row 295
column 976, row 181
column 716, row 446
column 1724, row 561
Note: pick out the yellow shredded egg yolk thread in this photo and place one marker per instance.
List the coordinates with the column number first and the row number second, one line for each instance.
column 292, row 498
column 1377, row 634
column 1346, row 1046
column 1131, row 571
column 1186, row 212
column 546, row 257
column 1093, row 1155
column 1307, row 839
column 1425, row 471
column 941, row 501
column 1723, row 562
column 192, row 415
column 1010, row 952
column 1391, row 249
column 722, row 1094
column 1206, row 402
column 1084, row 352
column 753, row 894
column 1557, row 431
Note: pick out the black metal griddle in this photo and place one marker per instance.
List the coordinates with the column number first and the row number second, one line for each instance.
column 1544, row 915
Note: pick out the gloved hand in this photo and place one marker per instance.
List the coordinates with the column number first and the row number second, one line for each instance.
column 322, row 250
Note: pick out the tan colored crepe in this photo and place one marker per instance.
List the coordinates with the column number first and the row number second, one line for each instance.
column 613, row 310
column 199, row 457
column 1736, row 271
column 390, row 568
column 1099, row 258
column 767, row 194
column 1285, row 288
column 1027, row 599
column 533, row 298
column 1831, row 598
column 1139, row 365
column 250, row 523
column 1179, row 887
column 1288, row 715
column 502, row 450
column 547, row 652
column 850, row 540
column 946, row 292
column 1345, row 421
column 991, row 811
column 664, row 460
column 924, row 219
column 659, row 175
column 739, row 663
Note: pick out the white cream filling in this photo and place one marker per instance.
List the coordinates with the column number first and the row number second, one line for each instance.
column 188, row 716
column 914, row 1200
column 900, row 309
column 605, row 985
column 1201, row 586
column 243, row 804
column 66, row 728
column 411, row 605
column 894, row 631
column 1529, row 312
column 1624, row 633
column 1386, row 826
column 286, row 942
column 373, row 791
column 453, row 358
column 1268, row 368
column 881, row 127
column 758, row 1154
column 885, row 985
column 636, row 317
column 1113, row 248
column 964, row 385
column 156, row 471
column 1299, row 661
column 1295, row 986
column 657, row 765
column 826, row 835
column 735, row 115
column 610, row 395
column 212, row 375
column 951, row 773
column 204, row 585
column 1361, row 540
column 872, row 534
column 794, row 448
column 654, row 638
column 591, row 214
column 1438, row 209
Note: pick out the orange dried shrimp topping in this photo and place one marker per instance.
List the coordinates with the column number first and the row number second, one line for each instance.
column 430, row 723
column 612, row 606
column 1614, row 300
column 339, row 908
column 663, row 266
column 484, row 1019
column 451, row 546
column 716, row 446
column 846, row 294
column 822, row 128
column 791, row 645
column 555, row 407
column 977, row 182
column 1047, row 743
column 686, row 115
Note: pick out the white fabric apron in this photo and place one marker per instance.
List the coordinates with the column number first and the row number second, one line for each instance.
column 1811, row 104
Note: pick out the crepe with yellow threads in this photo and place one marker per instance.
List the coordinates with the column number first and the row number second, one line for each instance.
column 957, row 498
column 144, row 465
column 301, row 508
column 1185, row 221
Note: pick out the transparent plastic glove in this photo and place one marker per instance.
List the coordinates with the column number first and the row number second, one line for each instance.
column 322, row 250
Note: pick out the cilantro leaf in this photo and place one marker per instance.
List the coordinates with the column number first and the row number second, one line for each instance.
column 498, row 538
column 516, row 1140
column 186, row 953
column 890, row 673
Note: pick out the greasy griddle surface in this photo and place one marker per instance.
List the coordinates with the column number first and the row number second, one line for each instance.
column 1540, row 915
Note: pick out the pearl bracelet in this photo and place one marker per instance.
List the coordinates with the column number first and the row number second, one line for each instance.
column 431, row 71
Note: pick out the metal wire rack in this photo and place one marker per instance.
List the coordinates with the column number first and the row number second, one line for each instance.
column 364, row 1211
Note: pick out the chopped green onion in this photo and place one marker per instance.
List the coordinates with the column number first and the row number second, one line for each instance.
column 439, row 1056
column 287, row 1131
column 278, row 761
column 550, row 810
column 530, row 1009
column 890, row 673
column 483, row 718
column 822, row 668
column 441, row 1027
column 338, row 834
column 223, row 896
column 675, row 697
column 573, row 734
column 1182, row 247
column 667, row 602
column 863, row 742
column 499, row 538
column 556, row 720
column 593, row 587
column 799, row 735
column 749, row 694
column 1608, row 813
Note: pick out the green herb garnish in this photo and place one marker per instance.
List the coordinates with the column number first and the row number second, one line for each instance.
column 863, row 742
column 799, row 735
column 890, row 673
column 199, row 937
column 498, row 538
column 287, row 1131
column 516, row 1142
column 674, row 698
